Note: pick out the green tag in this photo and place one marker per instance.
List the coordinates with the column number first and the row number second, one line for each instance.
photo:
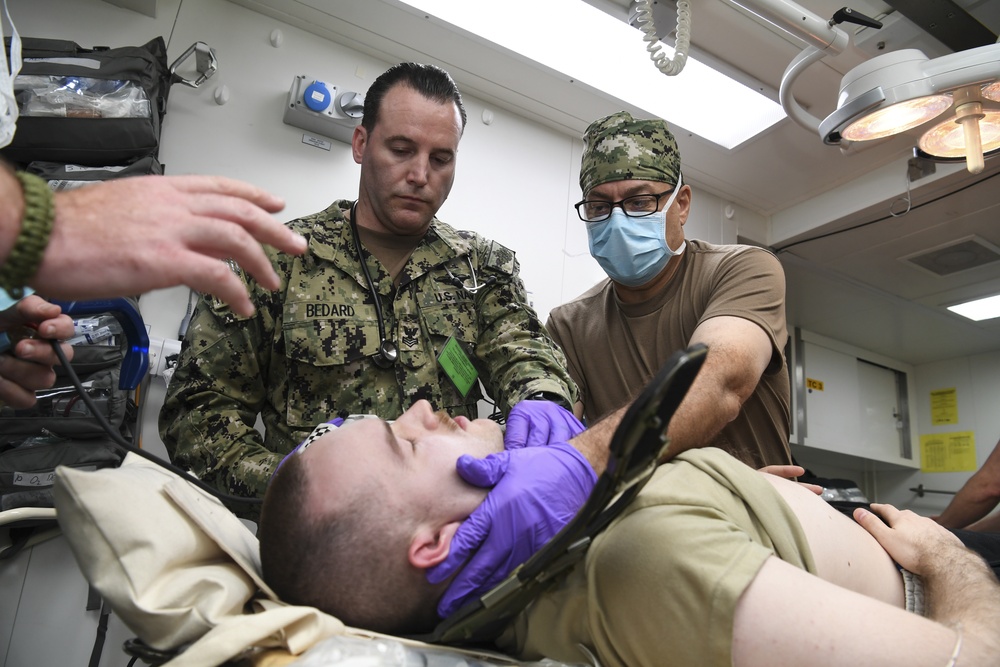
column 456, row 365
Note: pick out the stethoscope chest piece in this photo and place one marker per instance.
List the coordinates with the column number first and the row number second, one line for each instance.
column 387, row 354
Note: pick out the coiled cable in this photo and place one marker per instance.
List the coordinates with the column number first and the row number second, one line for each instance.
column 644, row 17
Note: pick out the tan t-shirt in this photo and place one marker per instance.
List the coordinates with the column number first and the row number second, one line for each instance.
column 613, row 349
column 659, row 586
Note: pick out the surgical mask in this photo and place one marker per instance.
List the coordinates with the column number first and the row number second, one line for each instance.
column 632, row 251
column 8, row 104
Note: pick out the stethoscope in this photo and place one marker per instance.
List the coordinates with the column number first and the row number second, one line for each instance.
column 476, row 285
column 388, row 353
column 387, row 350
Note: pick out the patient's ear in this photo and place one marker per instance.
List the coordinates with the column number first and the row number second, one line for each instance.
column 429, row 546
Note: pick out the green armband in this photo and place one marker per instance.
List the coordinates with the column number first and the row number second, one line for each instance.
column 29, row 247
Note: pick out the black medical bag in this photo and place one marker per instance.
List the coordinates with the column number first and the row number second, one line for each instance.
column 61, row 429
column 70, row 176
column 89, row 106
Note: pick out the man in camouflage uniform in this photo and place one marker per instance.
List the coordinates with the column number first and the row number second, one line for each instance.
column 311, row 350
column 664, row 293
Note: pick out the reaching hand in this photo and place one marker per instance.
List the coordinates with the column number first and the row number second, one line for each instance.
column 533, row 423
column 27, row 366
column 138, row 234
column 536, row 491
column 791, row 472
column 905, row 535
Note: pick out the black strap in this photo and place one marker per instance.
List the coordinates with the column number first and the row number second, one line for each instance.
column 19, row 537
column 102, row 629
column 552, row 397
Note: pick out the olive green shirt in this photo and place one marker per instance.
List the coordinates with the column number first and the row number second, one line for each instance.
column 659, row 587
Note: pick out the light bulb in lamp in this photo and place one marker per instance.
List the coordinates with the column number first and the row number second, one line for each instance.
column 969, row 133
column 897, row 118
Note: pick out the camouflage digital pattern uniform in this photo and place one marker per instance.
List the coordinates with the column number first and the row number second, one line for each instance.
column 305, row 356
column 622, row 148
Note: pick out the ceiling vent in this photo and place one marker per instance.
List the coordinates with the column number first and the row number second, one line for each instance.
column 959, row 255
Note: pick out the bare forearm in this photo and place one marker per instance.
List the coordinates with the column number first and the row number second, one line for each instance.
column 961, row 591
column 714, row 399
column 977, row 497
column 709, row 405
column 738, row 353
column 973, row 501
column 990, row 524
column 595, row 441
column 704, row 412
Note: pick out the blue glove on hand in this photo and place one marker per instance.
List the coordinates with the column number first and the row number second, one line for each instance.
column 536, row 491
column 533, row 423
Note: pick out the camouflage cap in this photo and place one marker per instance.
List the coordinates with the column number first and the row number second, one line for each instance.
column 620, row 147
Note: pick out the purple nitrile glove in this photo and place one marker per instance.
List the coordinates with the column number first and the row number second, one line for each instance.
column 532, row 423
column 536, row 491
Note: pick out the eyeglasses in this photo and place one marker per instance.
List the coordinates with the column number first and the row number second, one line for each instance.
column 637, row 206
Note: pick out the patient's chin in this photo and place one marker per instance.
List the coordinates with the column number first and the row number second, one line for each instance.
column 489, row 445
column 496, row 444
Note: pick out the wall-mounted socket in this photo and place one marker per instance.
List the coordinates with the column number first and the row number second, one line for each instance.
column 319, row 107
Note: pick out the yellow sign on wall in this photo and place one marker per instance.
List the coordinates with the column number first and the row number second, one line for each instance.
column 944, row 406
column 948, row 452
column 816, row 385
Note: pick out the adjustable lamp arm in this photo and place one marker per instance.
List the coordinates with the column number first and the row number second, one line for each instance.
column 801, row 23
column 823, row 38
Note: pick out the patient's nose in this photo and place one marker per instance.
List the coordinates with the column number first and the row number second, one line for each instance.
column 420, row 415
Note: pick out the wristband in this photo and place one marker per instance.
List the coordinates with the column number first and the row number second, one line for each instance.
column 25, row 257
column 549, row 396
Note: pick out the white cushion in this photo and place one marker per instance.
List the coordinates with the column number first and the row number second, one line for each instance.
column 171, row 561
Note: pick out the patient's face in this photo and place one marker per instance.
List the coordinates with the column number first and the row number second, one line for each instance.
column 413, row 459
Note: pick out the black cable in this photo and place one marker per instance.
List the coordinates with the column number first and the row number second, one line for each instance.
column 781, row 249
column 118, row 441
column 496, row 415
column 364, row 270
column 387, row 352
column 188, row 314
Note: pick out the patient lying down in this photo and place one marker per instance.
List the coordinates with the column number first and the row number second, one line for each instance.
column 713, row 563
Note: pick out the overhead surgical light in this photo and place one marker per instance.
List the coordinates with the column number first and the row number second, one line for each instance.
column 953, row 101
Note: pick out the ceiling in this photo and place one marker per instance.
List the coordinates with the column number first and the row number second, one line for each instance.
column 850, row 283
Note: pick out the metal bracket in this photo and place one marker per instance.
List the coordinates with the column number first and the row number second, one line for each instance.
column 920, row 491
column 918, row 167
column 205, row 64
